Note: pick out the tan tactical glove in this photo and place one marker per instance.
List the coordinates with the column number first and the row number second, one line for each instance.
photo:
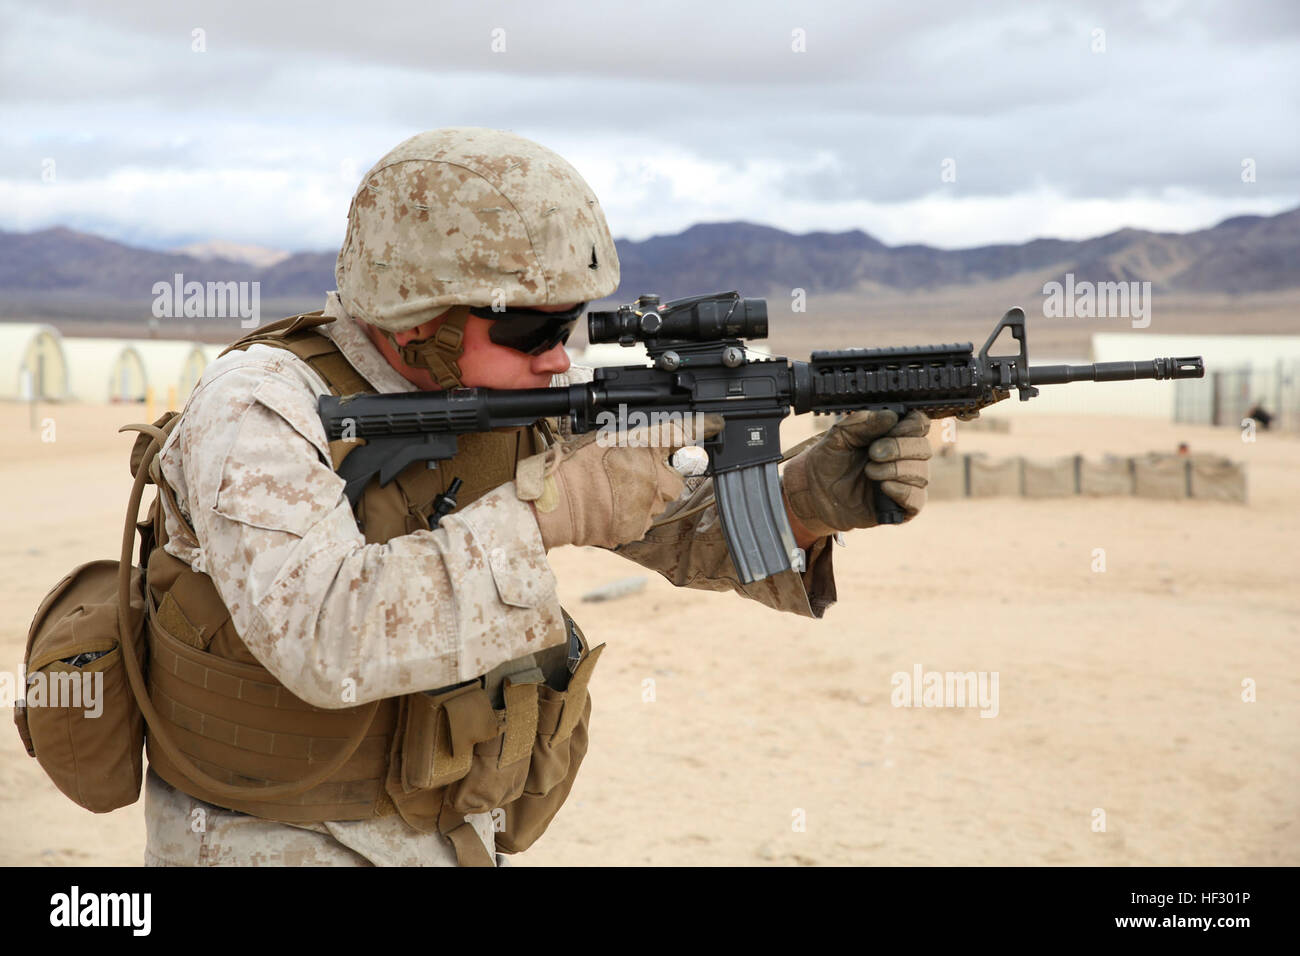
column 602, row 493
column 831, row 486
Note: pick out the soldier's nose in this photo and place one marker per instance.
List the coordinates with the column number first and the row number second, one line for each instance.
column 551, row 362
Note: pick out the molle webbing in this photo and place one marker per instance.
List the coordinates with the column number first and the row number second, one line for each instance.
column 238, row 715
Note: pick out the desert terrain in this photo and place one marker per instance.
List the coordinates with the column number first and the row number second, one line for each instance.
column 1118, row 690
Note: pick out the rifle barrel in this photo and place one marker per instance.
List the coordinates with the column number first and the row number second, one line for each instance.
column 1160, row 368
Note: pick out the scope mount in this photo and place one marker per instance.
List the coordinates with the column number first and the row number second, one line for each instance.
column 673, row 355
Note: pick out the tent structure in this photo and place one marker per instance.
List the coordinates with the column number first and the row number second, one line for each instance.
column 100, row 370
column 171, row 365
column 104, row 370
column 31, row 362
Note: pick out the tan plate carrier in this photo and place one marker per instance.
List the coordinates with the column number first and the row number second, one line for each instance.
column 223, row 729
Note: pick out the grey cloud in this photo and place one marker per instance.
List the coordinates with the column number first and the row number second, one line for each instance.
column 677, row 38
column 1184, row 91
column 84, row 157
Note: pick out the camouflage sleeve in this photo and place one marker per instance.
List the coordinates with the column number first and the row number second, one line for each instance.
column 319, row 607
column 691, row 552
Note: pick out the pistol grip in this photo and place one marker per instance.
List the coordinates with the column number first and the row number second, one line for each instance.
column 888, row 511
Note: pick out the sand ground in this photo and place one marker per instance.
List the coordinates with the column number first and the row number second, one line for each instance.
column 1119, row 691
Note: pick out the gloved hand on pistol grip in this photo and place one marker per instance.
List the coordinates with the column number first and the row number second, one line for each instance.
column 598, row 491
column 831, row 486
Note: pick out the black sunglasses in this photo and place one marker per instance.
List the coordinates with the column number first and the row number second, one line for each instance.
column 531, row 331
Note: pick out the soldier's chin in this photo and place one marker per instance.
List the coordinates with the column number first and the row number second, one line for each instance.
column 522, row 380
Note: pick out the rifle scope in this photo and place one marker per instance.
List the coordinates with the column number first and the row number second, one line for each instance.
column 701, row 318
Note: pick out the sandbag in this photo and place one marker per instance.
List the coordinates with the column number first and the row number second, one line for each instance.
column 1049, row 479
column 1110, row 476
column 993, row 478
column 947, row 477
column 1218, row 479
column 1160, row 476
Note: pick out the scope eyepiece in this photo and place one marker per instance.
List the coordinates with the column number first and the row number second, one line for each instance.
column 701, row 318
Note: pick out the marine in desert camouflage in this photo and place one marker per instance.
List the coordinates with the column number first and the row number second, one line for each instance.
column 341, row 615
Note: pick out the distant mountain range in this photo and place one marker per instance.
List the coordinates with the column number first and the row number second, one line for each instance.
column 1239, row 255
column 259, row 256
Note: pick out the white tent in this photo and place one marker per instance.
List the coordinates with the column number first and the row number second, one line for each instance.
column 171, row 365
column 31, row 362
column 104, row 370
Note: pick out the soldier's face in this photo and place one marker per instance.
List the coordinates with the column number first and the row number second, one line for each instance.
column 488, row 365
column 483, row 364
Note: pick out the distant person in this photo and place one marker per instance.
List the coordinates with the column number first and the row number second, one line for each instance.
column 1260, row 415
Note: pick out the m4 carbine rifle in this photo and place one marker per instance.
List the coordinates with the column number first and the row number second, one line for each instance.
column 701, row 365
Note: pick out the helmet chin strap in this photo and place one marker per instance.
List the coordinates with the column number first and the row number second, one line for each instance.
column 440, row 353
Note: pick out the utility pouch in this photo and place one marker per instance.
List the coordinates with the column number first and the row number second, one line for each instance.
column 499, row 766
column 80, row 719
column 559, row 745
column 440, row 732
column 521, row 759
column 457, row 740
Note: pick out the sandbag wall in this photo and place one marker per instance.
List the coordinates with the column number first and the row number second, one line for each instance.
column 1149, row 476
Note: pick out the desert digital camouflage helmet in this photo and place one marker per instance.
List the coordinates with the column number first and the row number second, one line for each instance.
column 467, row 216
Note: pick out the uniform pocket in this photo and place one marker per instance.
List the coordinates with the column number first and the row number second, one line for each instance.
column 277, row 473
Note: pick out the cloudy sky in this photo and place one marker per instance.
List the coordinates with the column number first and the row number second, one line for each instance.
column 950, row 123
